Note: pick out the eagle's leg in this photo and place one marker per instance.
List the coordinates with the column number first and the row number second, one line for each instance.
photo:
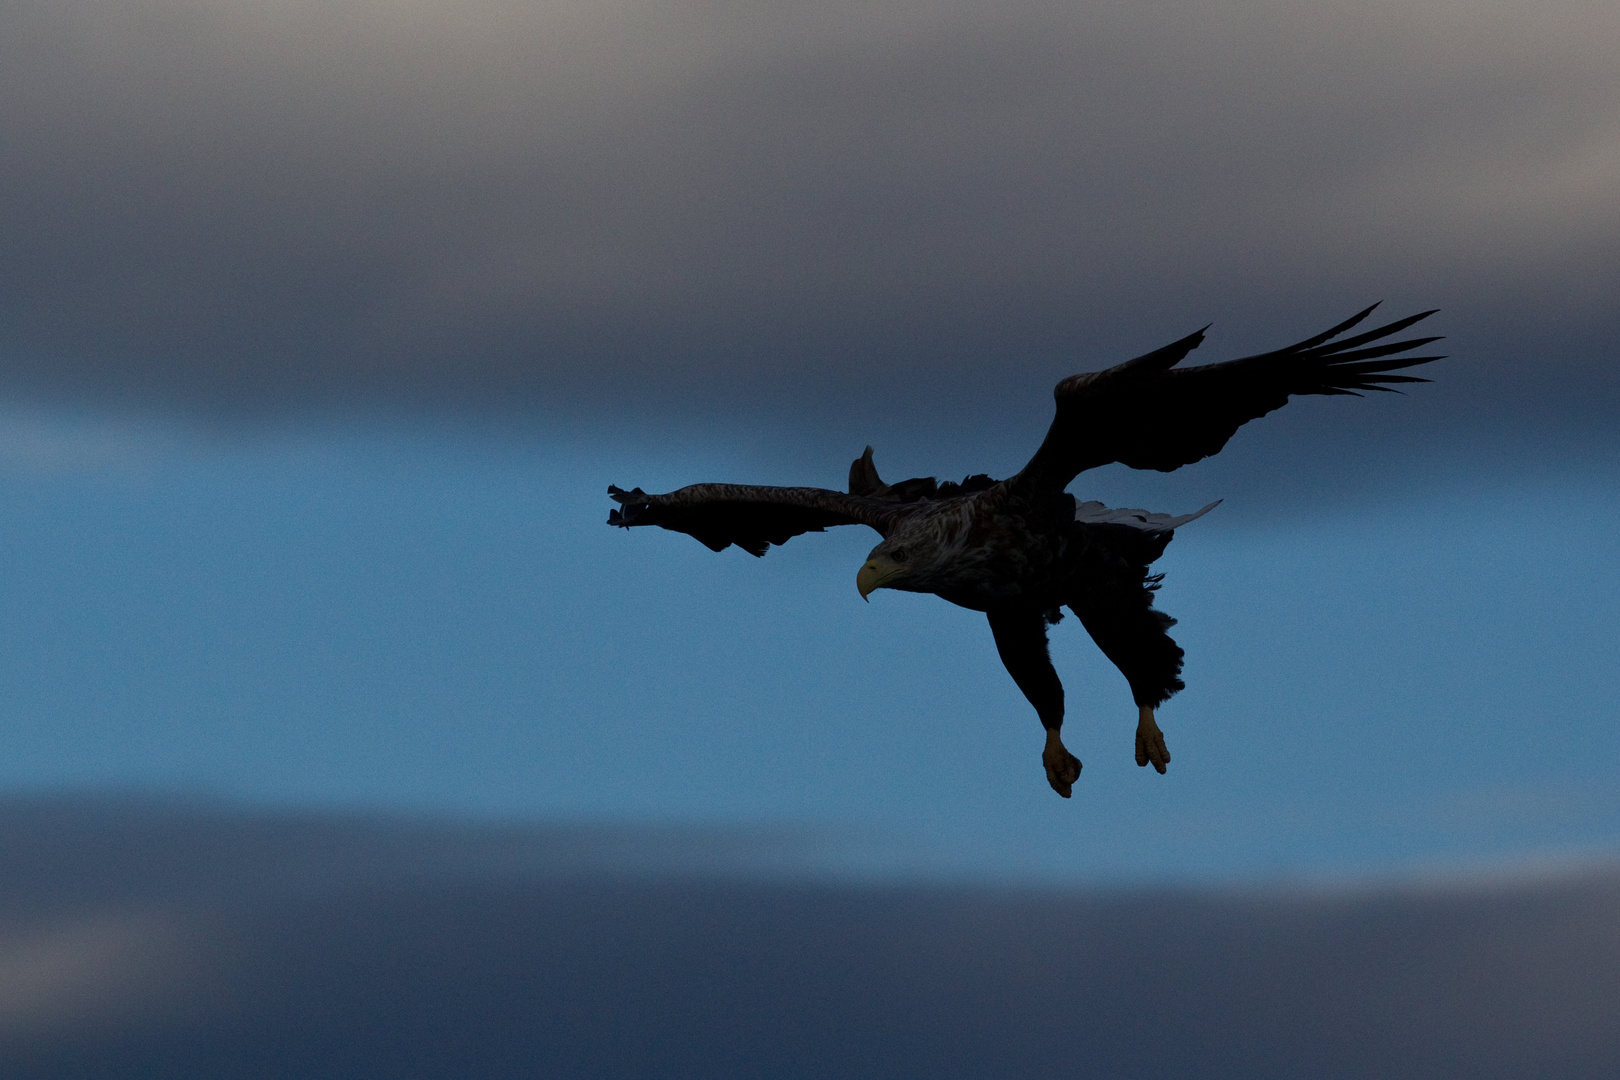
column 1150, row 740
column 1119, row 615
column 1021, row 641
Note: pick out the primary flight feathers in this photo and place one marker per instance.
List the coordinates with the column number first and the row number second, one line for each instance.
column 1146, row 413
column 1149, row 414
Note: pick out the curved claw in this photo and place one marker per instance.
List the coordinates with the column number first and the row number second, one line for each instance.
column 1150, row 746
column 1062, row 767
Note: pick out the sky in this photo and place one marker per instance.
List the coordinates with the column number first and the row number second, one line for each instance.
column 169, row 938
column 631, row 208
column 393, row 618
column 324, row 327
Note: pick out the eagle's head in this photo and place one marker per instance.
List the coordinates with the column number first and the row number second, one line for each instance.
column 914, row 559
column 888, row 562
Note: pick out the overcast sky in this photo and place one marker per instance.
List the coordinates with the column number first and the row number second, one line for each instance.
column 595, row 205
column 142, row 939
column 324, row 324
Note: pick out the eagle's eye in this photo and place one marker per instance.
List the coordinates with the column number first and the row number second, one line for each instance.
column 898, row 554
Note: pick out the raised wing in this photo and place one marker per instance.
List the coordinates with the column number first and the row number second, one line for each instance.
column 751, row 517
column 1149, row 414
column 1095, row 513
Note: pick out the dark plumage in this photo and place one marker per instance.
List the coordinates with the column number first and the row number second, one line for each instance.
column 1022, row 549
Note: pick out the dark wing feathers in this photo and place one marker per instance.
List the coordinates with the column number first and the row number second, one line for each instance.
column 1148, row 414
column 751, row 517
column 1162, row 359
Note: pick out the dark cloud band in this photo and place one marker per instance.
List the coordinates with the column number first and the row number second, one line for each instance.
column 498, row 201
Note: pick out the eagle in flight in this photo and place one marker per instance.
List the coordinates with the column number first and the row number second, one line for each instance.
column 1021, row 549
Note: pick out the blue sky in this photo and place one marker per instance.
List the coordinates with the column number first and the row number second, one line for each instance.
column 323, row 329
column 434, row 618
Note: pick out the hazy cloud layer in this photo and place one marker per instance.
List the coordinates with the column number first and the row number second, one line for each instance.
column 250, row 203
column 498, row 961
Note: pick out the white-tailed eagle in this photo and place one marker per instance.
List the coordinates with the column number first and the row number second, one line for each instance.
column 1021, row 549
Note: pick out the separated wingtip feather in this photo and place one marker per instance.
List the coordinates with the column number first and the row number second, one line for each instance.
column 1332, row 332
column 1338, row 348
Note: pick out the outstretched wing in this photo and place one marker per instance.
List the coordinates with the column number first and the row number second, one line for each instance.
column 753, row 518
column 1149, row 414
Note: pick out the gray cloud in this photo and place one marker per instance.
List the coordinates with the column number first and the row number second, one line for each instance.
column 329, row 946
column 245, row 204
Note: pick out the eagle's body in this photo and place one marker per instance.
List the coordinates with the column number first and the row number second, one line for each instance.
column 988, row 549
column 1022, row 549
column 1003, row 547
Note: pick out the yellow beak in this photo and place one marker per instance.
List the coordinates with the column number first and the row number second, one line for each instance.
column 876, row 574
